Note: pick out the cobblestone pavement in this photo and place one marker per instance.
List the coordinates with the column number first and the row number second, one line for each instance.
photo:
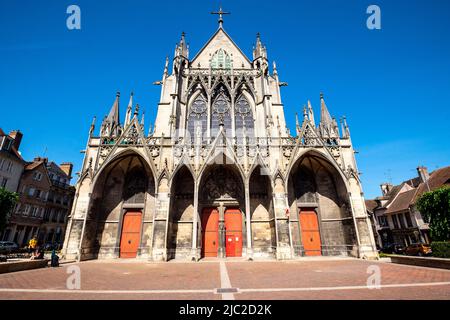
column 307, row 279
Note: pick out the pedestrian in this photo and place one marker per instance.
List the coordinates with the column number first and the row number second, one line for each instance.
column 55, row 259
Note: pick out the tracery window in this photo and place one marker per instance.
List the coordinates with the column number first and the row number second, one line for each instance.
column 244, row 118
column 221, row 114
column 221, row 60
column 198, row 118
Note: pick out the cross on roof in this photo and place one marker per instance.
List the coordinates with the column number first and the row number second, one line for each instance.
column 220, row 13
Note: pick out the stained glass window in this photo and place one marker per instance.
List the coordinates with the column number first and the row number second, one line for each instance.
column 197, row 118
column 221, row 60
column 244, row 117
column 221, row 114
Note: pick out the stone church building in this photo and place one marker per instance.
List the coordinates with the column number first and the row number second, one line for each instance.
column 219, row 175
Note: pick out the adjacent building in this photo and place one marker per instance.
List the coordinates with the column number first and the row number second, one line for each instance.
column 11, row 162
column 395, row 216
column 45, row 194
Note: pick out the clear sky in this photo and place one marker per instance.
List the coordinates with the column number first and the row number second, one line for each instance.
column 392, row 84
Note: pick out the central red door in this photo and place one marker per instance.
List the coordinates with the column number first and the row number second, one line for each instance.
column 310, row 233
column 210, row 226
column 233, row 233
column 131, row 235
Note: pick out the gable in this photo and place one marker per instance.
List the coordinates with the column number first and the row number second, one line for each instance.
column 221, row 41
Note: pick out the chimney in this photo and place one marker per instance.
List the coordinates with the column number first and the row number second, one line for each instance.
column 67, row 168
column 423, row 174
column 386, row 188
column 37, row 159
column 17, row 136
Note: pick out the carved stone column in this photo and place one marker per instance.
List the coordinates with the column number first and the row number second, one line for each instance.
column 248, row 221
column 222, row 243
column 195, row 254
column 284, row 249
column 160, row 222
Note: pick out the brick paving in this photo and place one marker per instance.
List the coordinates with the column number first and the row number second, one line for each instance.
column 198, row 281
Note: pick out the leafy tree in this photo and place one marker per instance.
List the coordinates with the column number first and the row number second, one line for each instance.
column 7, row 202
column 435, row 206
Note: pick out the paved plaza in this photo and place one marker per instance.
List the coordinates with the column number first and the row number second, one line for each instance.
column 308, row 279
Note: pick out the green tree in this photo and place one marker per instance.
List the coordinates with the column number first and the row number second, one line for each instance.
column 435, row 206
column 7, row 202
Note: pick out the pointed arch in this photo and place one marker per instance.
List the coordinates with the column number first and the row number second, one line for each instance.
column 262, row 215
column 113, row 157
column 225, row 155
column 221, row 110
column 317, row 187
column 311, row 151
column 259, row 162
column 125, row 181
column 222, row 181
column 244, row 116
column 221, row 60
column 181, row 214
column 197, row 117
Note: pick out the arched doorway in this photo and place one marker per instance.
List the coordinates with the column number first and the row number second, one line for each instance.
column 262, row 213
column 222, row 206
column 321, row 219
column 181, row 215
column 120, row 216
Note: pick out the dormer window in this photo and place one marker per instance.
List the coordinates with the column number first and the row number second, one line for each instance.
column 7, row 143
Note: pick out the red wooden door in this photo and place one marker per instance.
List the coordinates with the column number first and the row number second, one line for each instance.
column 210, row 226
column 310, row 233
column 131, row 235
column 233, row 234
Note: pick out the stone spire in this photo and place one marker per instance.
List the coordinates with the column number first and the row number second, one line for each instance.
column 326, row 122
column 181, row 54
column 143, row 119
column 311, row 114
column 345, row 128
column 166, row 68
column 297, row 124
column 129, row 111
column 260, row 50
column 111, row 124
column 275, row 71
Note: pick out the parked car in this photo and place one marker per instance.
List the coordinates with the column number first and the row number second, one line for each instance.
column 7, row 247
column 393, row 249
column 418, row 249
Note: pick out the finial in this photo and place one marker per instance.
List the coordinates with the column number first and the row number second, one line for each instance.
column 321, row 96
column 305, row 112
column 220, row 13
column 136, row 110
column 143, row 118
column 118, row 94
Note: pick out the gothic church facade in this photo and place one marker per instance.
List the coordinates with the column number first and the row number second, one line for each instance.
column 219, row 175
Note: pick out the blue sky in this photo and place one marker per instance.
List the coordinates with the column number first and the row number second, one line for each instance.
column 392, row 84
